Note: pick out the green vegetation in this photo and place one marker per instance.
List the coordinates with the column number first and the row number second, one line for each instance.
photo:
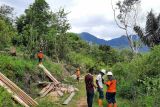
column 142, row 76
column 39, row 27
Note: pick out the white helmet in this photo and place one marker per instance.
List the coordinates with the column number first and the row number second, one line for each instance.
column 109, row 73
column 103, row 71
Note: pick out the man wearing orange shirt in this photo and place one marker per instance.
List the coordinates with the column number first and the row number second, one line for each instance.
column 40, row 56
column 111, row 90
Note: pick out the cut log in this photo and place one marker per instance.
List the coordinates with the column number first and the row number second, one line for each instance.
column 43, row 83
column 60, row 93
column 64, row 90
column 49, row 74
column 44, row 89
column 70, row 89
column 13, row 51
column 48, row 90
column 69, row 98
column 76, row 89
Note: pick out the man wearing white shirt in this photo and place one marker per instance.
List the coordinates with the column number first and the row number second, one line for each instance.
column 100, row 82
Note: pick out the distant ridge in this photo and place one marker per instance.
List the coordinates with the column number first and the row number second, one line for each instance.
column 119, row 43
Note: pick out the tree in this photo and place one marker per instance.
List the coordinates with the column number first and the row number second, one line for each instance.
column 33, row 26
column 6, row 13
column 151, row 35
column 126, row 17
column 56, row 40
column 7, row 31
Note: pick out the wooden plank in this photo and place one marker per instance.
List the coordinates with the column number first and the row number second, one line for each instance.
column 69, row 98
column 49, row 74
column 44, row 89
column 27, row 99
column 11, row 87
column 14, row 89
column 48, row 90
column 13, row 95
column 43, row 83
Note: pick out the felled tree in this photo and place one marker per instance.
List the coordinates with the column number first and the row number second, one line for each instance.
column 151, row 35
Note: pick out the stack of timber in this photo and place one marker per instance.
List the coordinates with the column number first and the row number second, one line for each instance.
column 19, row 95
column 55, row 85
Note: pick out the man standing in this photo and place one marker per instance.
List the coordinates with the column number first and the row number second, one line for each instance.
column 89, row 87
column 40, row 56
column 111, row 90
column 78, row 74
column 100, row 82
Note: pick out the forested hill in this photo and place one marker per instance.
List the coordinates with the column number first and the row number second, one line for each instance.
column 119, row 43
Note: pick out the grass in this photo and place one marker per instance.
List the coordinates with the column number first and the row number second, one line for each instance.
column 15, row 69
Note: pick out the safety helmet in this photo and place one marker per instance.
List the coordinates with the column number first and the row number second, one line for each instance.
column 103, row 71
column 109, row 73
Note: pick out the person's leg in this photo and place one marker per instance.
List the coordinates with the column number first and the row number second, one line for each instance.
column 114, row 100
column 78, row 78
column 109, row 100
column 88, row 98
column 40, row 60
column 101, row 96
column 91, row 98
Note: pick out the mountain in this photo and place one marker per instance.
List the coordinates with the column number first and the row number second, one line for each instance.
column 91, row 38
column 119, row 43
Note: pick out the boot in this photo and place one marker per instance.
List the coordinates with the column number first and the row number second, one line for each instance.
column 100, row 103
column 109, row 105
column 114, row 105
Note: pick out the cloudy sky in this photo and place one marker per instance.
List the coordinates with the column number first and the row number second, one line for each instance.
column 93, row 16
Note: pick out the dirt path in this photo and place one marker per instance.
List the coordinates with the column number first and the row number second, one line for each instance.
column 82, row 102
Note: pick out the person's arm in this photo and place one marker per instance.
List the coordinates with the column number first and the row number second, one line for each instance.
column 108, row 83
column 102, row 80
column 97, row 84
column 37, row 55
column 92, row 82
column 42, row 55
column 97, row 79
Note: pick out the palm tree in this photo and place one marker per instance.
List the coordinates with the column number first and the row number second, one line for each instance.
column 151, row 36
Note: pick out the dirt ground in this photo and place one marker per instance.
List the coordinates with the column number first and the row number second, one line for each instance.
column 82, row 102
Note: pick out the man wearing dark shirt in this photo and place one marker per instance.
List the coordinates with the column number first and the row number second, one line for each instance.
column 89, row 87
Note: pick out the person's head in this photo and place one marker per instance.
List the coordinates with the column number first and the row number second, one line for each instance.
column 103, row 72
column 91, row 70
column 78, row 69
column 109, row 75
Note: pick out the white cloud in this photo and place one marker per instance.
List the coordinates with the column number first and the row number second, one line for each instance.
column 93, row 16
